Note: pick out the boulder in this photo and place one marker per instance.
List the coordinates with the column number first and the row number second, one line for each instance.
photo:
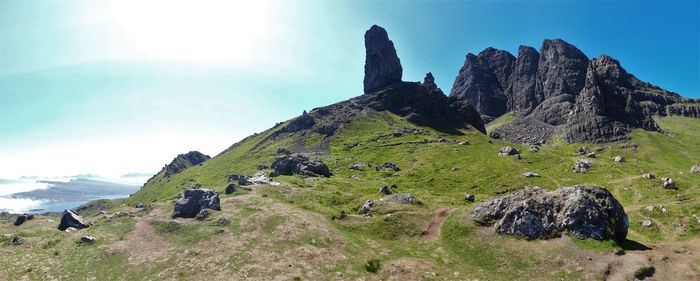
column 262, row 178
column 299, row 164
column 87, row 239
column 388, row 166
column 591, row 155
column 582, row 165
column 469, row 197
column 224, row 220
column 534, row 148
column 695, row 169
column 367, row 207
column 70, row 218
column 649, row 176
column 668, row 183
column 139, row 205
column 532, row 213
column 582, row 150
column 359, row 166
column 619, row 159
column 531, row 175
column 23, row 218
column 231, row 188
column 382, row 65
column 17, row 240
column 508, row 151
column 240, row 179
column 401, row 198
column 385, row 190
column 193, row 201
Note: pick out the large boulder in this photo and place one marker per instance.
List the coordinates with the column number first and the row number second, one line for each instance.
column 70, row 218
column 382, row 65
column 582, row 165
column 535, row 213
column 194, row 201
column 299, row 164
column 23, row 218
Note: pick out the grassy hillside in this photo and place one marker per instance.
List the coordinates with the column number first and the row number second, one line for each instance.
column 288, row 232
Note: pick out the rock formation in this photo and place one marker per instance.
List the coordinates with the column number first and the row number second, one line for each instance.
column 559, row 87
column 184, row 161
column 70, row 218
column 194, row 201
column 300, row 164
column 382, row 65
column 532, row 213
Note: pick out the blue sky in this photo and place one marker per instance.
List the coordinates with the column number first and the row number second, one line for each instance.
column 113, row 87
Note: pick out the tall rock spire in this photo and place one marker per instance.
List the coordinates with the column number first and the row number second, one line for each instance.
column 382, row 65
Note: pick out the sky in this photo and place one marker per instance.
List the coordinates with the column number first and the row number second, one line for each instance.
column 116, row 87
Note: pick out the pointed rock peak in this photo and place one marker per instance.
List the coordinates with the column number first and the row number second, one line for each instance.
column 490, row 51
column 561, row 47
column 607, row 60
column 429, row 81
column 526, row 51
column 382, row 65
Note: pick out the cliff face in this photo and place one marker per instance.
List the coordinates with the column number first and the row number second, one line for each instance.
column 559, row 87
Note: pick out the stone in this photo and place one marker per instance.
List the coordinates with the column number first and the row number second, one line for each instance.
column 531, row 175
column 534, row 148
column 388, row 166
column 70, row 218
column 453, row 169
column 582, row 165
column 231, row 188
column 385, row 190
column 359, row 166
column 193, row 201
column 582, row 150
column 22, row 218
column 619, row 159
column 695, row 169
column 664, row 210
column 262, row 167
column 261, row 178
column 649, row 208
column 508, row 151
column 668, row 183
column 649, row 176
column 401, row 198
column 382, row 65
column 203, row 214
column 71, row 229
column 469, row 197
column 535, row 213
column 87, row 239
column 239, row 179
column 139, row 205
column 646, row 223
column 367, row 207
column 282, row 150
column 17, row 240
column 463, row 143
column 224, row 220
column 591, row 155
column 299, row 164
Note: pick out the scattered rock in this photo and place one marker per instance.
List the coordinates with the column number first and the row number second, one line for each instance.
column 469, row 197
column 463, row 143
column 224, row 220
column 454, row 168
column 70, row 218
column 355, row 177
column 17, row 240
column 582, row 150
column 401, row 198
column 23, row 218
column 508, row 151
column 582, row 165
column 646, row 223
column 299, row 164
column 619, row 159
column 591, row 155
column 388, row 166
column 282, row 150
column 405, row 131
column 367, row 207
column 582, row 211
column 664, row 210
column 385, row 190
column 87, row 239
column 649, row 176
column 649, row 208
column 261, row 178
column 534, row 148
column 71, row 229
column 531, row 175
column 262, row 167
column 203, row 214
column 695, row 169
column 668, row 183
column 231, row 188
column 360, row 166
column 139, row 205
column 194, row 201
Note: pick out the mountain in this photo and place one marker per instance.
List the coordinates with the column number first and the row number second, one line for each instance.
column 416, row 190
column 560, row 89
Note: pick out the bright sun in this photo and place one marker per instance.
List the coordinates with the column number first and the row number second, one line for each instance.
column 202, row 31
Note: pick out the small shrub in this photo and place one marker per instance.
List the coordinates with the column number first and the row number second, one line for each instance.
column 644, row 272
column 372, row 265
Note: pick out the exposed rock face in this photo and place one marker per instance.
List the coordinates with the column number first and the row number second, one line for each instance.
column 299, row 164
column 581, row 211
column 382, row 65
column 184, row 161
column 558, row 87
column 70, row 218
column 193, row 201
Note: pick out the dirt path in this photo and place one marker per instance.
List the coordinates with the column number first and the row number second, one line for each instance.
column 435, row 225
column 671, row 261
column 143, row 244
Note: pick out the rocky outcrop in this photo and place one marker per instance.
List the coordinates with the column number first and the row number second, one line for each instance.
column 184, row 161
column 299, row 164
column 382, row 65
column 479, row 86
column 70, row 218
column 22, row 218
column 193, row 201
column 535, row 213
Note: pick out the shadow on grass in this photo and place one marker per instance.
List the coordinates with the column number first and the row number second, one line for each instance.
column 631, row 245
